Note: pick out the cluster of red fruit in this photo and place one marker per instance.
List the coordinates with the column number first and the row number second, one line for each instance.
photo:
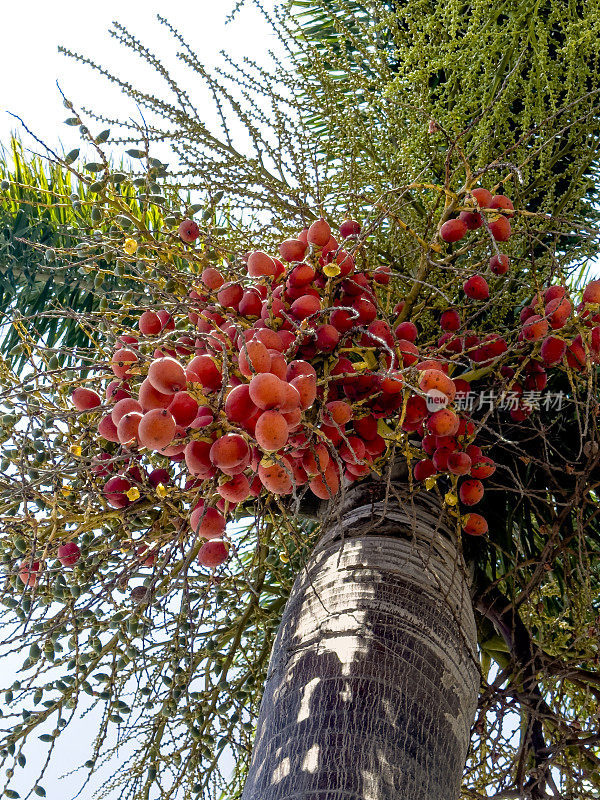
column 287, row 376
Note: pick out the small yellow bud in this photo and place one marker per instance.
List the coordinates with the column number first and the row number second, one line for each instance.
column 450, row 499
column 284, row 557
column 75, row 449
column 130, row 246
column 133, row 493
column 430, row 482
column 161, row 491
column 331, row 270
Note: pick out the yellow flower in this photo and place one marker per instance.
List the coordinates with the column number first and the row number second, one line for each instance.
column 133, row 493
column 450, row 499
column 331, row 270
column 130, row 246
column 161, row 491
column 75, row 449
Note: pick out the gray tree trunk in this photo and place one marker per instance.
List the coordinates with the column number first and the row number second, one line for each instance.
column 374, row 677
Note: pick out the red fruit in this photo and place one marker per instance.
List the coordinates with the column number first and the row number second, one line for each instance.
column 409, row 352
column 353, row 450
column 156, row 429
column 327, row 485
column 349, row 228
column 238, row 405
column 576, row 354
column 500, row 229
column 167, row 375
column 470, row 492
column 271, row 431
column 213, row 553
column 472, row 219
column 501, row 201
column 107, row 429
column 29, row 572
column 202, row 369
column 149, row 398
column 276, row 477
column 366, row 427
column 591, row 293
column 319, row 233
column 267, row 391
column 440, row 458
column 212, row 278
column 327, row 338
column 535, row 328
column 117, row 390
column 558, row 311
column 166, row 320
column 207, row 521
column 392, row 383
column 292, row 250
column 230, row 295
column 475, row 525
column 115, row 491
column 315, row 460
column 407, row 331
column 197, row 458
column 453, row 230
column 434, row 379
column 306, row 386
column 122, row 362
column 188, row 231
column 499, row 264
column 483, row 467
column 122, row 407
column 149, row 323
column 382, row 275
column 184, row 408
column 483, row 197
column 416, row 409
column 450, row 320
column 443, row 422
column 128, row 427
column 85, row 399
column 424, row 469
column 261, row 265
column 68, row 554
column 305, row 306
column 254, row 357
column 476, row 288
column 250, row 304
column 229, row 451
column 459, row 463
column 159, row 476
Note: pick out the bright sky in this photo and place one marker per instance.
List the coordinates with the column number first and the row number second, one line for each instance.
column 30, row 66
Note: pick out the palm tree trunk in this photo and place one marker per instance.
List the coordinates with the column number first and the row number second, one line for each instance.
column 373, row 680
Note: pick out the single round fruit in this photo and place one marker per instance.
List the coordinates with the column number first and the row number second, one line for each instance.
column 128, row 427
column 319, row 233
column 229, row 450
column 591, row 293
column 115, row 491
column 292, row 250
column 453, row 230
column 207, row 522
column 450, row 320
column 122, row 407
column 184, row 408
column 167, row 375
column 108, row 430
column 267, row 391
column 29, row 572
column 254, row 357
column 188, row 231
column 85, row 399
column 68, row 554
column 276, row 477
column 271, row 431
column 122, row 362
column 475, row 525
column 260, row 265
column 436, row 380
column 149, row 323
column 459, row 463
column 499, row 264
column 502, row 202
column 470, row 492
column 483, row 197
column 407, row 331
column 149, row 398
column 349, row 228
column 535, row 328
column 558, row 311
column 500, row 229
column 476, row 288
column 213, row 553
column 424, row 469
column 156, row 429
column 443, row 422
column 236, row 489
column 483, row 467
